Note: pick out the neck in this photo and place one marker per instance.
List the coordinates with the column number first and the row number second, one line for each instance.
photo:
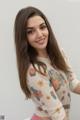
column 43, row 54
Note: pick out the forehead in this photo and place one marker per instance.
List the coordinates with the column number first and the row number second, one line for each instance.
column 35, row 21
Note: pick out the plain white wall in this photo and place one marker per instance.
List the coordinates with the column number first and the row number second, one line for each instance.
column 64, row 17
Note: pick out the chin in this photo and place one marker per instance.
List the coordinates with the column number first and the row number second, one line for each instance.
column 42, row 47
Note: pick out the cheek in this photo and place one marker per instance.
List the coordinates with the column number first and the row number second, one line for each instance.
column 47, row 33
column 31, row 40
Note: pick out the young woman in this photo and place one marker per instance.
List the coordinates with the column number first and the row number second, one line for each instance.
column 44, row 73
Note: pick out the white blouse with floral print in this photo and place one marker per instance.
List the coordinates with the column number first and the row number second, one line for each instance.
column 50, row 90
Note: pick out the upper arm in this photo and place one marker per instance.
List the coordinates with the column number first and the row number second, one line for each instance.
column 45, row 94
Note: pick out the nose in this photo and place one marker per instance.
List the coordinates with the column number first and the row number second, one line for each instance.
column 39, row 33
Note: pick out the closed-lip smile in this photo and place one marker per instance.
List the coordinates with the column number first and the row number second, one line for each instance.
column 40, row 41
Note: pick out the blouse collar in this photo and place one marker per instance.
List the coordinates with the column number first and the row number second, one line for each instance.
column 44, row 59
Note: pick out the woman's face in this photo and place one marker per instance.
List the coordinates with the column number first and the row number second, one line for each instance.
column 37, row 33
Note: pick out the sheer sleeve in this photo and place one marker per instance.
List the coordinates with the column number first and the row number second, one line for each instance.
column 71, row 76
column 45, row 95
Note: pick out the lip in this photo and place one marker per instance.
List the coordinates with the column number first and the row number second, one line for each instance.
column 41, row 41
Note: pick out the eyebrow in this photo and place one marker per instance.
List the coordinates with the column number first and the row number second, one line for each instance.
column 39, row 25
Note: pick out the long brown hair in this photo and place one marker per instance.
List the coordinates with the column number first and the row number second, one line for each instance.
column 27, row 54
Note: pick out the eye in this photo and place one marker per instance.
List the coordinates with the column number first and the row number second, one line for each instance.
column 43, row 27
column 30, row 31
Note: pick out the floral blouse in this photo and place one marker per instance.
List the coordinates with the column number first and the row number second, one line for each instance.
column 50, row 90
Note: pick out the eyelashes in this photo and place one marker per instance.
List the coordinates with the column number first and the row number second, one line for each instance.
column 43, row 27
column 30, row 31
column 33, row 30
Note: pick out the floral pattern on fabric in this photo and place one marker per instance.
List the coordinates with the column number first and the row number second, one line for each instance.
column 45, row 95
column 50, row 89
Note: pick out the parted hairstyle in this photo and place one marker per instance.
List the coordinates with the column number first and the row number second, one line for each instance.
column 26, row 54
